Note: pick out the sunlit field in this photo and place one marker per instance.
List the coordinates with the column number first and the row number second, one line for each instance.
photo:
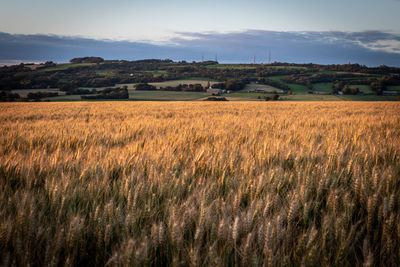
column 194, row 183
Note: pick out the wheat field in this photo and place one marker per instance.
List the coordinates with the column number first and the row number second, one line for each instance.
column 193, row 183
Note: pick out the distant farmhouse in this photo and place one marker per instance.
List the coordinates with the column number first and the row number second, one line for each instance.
column 319, row 92
column 216, row 91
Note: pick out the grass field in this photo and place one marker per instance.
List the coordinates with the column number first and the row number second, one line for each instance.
column 295, row 88
column 195, row 183
column 245, row 96
column 366, row 89
column 326, row 87
column 157, row 73
column 261, row 87
column 394, row 88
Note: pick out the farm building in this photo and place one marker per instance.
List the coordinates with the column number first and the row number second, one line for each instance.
column 318, row 92
column 389, row 93
column 215, row 91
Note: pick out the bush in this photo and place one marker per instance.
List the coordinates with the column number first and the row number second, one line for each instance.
column 145, row 87
column 213, row 98
column 350, row 90
column 110, row 93
column 6, row 96
column 39, row 95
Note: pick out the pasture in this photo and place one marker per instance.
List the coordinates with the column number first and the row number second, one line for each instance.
column 254, row 87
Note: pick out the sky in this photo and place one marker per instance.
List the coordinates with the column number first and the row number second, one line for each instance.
column 179, row 23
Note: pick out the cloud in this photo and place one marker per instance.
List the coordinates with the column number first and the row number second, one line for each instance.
column 369, row 47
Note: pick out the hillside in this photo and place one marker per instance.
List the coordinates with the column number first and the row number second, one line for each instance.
column 83, row 75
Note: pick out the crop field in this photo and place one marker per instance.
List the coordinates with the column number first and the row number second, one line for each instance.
column 200, row 183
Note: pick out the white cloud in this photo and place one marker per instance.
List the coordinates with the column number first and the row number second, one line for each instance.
column 390, row 46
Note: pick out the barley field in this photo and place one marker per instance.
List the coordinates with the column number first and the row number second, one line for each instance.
column 201, row 184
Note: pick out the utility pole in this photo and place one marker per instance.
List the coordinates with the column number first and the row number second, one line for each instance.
column 202, row 57
column 254, row 59
column 269, row 57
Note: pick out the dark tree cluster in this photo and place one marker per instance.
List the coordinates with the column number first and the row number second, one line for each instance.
column 236, row 84
column 6, row 96
column 347, row 90
column 274, row 97
column 109, row 93
column 87, row 60
column 80, row 91
column 145, row 87
column 40, row 95
column 215, row 98
column 184, row 88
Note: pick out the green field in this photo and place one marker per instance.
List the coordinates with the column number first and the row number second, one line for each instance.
column 288, row 67
column 157, row 73
column 366, row 89
column 295, row 88
column 246, row 96
column 394, row 88
column 326, row 87
column 299, row 92
column 261, row 87
column 276, row 78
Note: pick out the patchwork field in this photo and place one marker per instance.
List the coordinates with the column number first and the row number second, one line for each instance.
column 196, row 183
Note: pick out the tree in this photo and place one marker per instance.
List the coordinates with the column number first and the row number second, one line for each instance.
column 350, row 90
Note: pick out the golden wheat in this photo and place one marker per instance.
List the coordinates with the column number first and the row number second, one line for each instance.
column 126, row 183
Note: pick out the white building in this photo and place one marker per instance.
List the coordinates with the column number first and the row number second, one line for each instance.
column 215, row 91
